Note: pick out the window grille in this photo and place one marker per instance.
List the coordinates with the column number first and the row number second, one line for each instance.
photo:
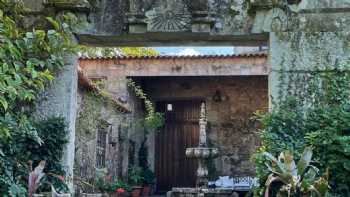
column 101, row 147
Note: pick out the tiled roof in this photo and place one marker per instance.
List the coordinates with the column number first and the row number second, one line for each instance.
column 121, row 57
column 86, row 83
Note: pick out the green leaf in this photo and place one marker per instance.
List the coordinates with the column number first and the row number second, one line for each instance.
column 321, row 185
column 30, row 35
column 3, row 103
column 305, row 160
column 289, row 163
column 54, row 23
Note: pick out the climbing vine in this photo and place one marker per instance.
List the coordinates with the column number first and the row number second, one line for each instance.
column 153, row 120
column 28, row 60
column 88, row 117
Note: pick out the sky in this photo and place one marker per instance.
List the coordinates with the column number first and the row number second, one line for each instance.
column 194, row 50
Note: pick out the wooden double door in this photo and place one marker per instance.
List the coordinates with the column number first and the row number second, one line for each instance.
column 180, row 131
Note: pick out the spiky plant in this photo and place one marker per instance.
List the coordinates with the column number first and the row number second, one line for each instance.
column 295, row 180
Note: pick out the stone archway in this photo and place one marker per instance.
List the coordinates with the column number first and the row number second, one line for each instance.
column 302, row 35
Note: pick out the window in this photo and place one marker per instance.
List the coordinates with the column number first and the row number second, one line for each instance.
column 101, row 146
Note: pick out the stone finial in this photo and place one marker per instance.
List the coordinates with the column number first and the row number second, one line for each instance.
column 203, row 127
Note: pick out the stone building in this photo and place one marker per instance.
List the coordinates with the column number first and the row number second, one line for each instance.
column 233, row 87
column 303, row 36
column 102, row 125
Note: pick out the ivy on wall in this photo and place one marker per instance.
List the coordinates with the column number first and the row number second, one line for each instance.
column 28, row 60
column 153, row 120
column 313, row 109
column 89, row 117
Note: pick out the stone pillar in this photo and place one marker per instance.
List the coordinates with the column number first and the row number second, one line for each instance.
column 60, row 99
column 312, row 35
column 294, row 55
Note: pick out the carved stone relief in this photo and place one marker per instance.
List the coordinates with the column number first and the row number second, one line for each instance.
column 169, row 16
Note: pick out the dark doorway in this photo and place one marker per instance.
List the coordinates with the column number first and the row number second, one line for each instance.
column 181, row 130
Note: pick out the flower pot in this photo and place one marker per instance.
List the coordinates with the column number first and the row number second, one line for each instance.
column 136, row 191
column 146, row 190
column 113, row 195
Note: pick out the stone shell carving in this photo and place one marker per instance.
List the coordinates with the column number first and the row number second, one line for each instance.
column 276, row 21
column 169, row 16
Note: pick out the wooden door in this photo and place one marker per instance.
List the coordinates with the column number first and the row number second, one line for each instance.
column 181, row 131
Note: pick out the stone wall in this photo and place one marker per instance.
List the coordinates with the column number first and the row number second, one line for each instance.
column 230, row 127
column 95, row 113
column 315, row 39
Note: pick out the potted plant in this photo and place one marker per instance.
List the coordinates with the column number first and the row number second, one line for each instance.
column 119, row 188
column 148, row 181
column 135, row 179
column 295, row 179
column 147, row 174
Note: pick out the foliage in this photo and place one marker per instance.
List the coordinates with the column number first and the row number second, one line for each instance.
column 111, row 187
column 299, row 179
column 319, row 118
column 138, row 51
column 143, row 155
column 115, row 51
column 88, row 122
column 153, row 120
column 108, row 184
column 147, row 174
column 22, row 147
column 54, row 133
column 135, row 177
column 28, row 61
column 88, row 118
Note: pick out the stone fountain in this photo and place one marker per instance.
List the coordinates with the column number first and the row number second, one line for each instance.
column 201, row 153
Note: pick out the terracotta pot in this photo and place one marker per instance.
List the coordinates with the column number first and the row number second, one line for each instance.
column 116, row 194
column 146, row 191
column 113, row 195
column 136, row 191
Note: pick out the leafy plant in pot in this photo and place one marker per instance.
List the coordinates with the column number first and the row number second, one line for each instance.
column 148, row 181
column 135, row 180
column 119, row 189
column 147, row 174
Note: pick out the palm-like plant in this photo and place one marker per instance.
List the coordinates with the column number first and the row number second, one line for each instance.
column 296, row 180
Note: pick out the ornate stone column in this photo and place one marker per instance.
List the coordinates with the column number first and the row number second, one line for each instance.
column 202, row 153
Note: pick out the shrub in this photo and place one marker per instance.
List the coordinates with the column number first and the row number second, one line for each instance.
column 322, row 122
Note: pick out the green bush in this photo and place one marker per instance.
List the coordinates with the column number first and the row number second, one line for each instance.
column 54, row 134
column 322, row 123
column 28, row 60
column 24, row 147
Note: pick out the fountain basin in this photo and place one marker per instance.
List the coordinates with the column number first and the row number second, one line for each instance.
column 202, row 152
